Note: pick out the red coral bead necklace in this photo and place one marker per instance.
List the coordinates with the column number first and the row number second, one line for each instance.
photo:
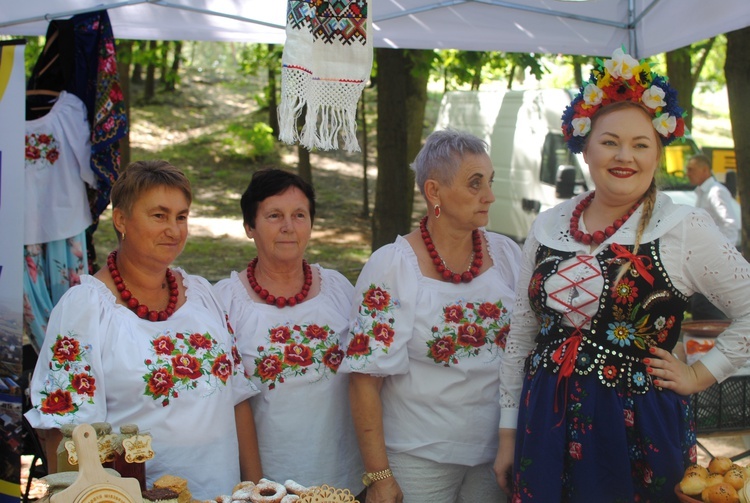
column 142, row 310
column 280, row 301
column 448, row 275
column 597, row 237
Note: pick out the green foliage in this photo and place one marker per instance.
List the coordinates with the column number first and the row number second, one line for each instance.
column 256, row 143
column 712, row 76
column 473, row 68
column 32, row 50
column 254, row 59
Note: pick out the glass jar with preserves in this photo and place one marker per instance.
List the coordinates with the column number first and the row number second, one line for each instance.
column 67, row 459
column 132, row 450
column 105, row 441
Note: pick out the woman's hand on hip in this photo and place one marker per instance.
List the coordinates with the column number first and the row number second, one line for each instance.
column 668, row 372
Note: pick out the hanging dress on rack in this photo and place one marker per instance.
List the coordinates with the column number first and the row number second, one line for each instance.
column 57, row 170
column 79, row 57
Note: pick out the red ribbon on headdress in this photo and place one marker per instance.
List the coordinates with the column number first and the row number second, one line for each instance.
column 642, row 263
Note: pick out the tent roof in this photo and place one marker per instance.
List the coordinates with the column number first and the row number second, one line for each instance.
column 593, row 27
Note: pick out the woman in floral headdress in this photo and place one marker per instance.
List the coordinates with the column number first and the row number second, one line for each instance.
column 594, row 402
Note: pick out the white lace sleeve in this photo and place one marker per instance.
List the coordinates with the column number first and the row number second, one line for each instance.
column 704, row 261
column 523, row 329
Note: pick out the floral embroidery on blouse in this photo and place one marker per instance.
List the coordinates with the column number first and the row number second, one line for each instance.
column 466, row 329
column 182, row 361
column 42, row 149
column 377, row 305
column 294, row 349
column 70, row 383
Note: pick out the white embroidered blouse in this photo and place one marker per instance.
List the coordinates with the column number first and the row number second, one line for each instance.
column 439, row 345
column 177, row 379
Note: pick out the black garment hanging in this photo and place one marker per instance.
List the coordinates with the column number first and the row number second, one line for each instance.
column 53, row 70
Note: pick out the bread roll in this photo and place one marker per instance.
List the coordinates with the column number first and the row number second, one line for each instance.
column 713, row 479
column 720, row 493
column 692, row 484
column 719, row 464
column 700, row 470
column 735, row 478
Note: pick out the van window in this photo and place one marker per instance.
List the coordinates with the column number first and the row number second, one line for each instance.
column 555, row 153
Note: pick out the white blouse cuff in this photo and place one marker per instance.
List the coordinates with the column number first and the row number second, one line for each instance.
column 508, row 418
column 718, row 364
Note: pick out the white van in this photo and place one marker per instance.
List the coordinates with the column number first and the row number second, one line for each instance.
column 534, row 170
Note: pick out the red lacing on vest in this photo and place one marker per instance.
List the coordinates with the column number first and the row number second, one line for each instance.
column 567, row 353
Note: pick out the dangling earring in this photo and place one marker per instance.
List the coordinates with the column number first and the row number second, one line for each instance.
column 437, row 211
column 123, row 235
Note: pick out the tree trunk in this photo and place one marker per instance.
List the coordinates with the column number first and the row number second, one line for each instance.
column 737, row 73
column 511, row 76
column 139, row 48
column 163, row 61
column 273, row 115
column 578, row 72
column 402, row 93
column 304, row 168
column 363, row 143
column 149, row 90
column 124, row 55
column 416, row 102
column 679, row 69
column 174, row 70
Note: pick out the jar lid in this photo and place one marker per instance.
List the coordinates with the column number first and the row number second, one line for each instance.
column 67, row 429
column 129, row 429
column 102, row 428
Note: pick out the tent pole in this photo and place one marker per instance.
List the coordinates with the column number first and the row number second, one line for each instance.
column 164, row 3
column 70, row 13
column 125, row 3
column 632, row 41
column 501, row 3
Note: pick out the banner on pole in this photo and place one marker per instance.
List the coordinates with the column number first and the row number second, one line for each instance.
column 12, row 126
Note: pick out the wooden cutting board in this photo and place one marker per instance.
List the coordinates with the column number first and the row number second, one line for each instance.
column 94, row 485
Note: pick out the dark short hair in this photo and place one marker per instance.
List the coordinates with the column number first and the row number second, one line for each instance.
column 271, row 182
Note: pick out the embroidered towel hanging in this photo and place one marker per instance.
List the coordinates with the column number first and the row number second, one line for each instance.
column 326, row 63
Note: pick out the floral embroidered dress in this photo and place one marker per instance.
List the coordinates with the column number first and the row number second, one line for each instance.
column 178, row 379
column 591, row 425
column 302, row 415
column 57, row 170
column 439, row 344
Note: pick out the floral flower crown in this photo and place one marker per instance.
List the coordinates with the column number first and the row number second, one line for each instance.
column 623, row 78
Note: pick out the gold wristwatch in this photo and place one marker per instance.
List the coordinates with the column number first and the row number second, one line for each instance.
column 369, row 478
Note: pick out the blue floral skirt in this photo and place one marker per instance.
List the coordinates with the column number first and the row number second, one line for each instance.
column 50, row 269
column 603, row 444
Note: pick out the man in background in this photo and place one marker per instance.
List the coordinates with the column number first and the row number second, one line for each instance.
column 715, row 198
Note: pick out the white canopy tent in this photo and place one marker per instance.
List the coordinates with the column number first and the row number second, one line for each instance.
column 593, row 27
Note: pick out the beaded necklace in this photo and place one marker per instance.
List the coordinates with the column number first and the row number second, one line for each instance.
column 447, row 274
column 280, row 301
column 139, row 309
column 597, row 237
